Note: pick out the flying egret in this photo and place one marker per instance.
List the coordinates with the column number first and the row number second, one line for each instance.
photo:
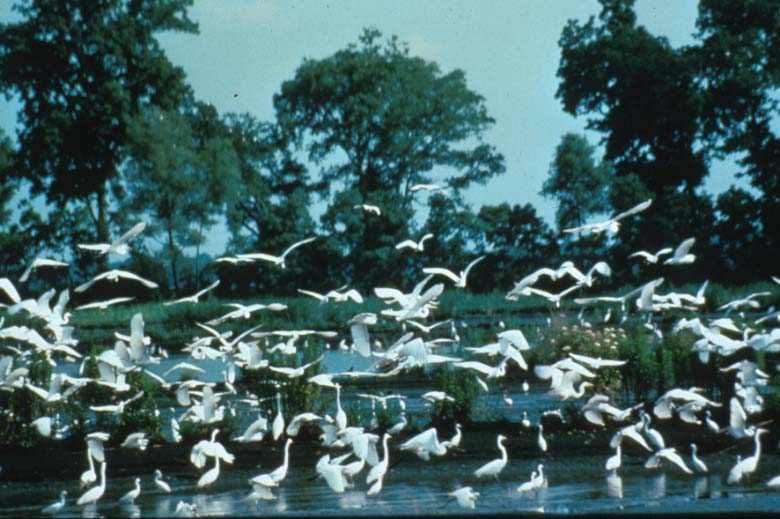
column 411, row 244
column 119, row 246
column 612, row 226
column 649, row 257
column 681, row 254
column 459, row 279
column 466, row 497
column 38, row 263
column 193, row 298
column 114, row 275
column 276, row 260
column 369, row 208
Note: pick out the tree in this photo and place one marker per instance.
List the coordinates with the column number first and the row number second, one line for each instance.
column 516, row 240
column 739, row 71
column 578, row 184
column 81, row 69
column 643, row 96
column 271, row 210
column 379, row 121
column 176, row 179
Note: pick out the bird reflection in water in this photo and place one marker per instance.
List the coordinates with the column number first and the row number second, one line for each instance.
column 701, row 488
column 615, row 486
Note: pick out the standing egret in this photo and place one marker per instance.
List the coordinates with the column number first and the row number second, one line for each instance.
column 494, row 468
column 162, row 485
column 58, row 505
column 130, row 497
column 614, row 462
column 210, row 476
column 280, row 473
column 655, row 437
column 541, row 442
column 278, row 425
column 749, row 464
column 528, row 485
column 697, row 463
column 95, row 493
column 525, row 421
column 377, row 472
column 341, row 416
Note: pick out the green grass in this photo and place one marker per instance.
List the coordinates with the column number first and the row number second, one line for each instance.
column 174, row 326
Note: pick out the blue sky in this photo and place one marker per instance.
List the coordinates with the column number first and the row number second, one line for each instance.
column 508, row 49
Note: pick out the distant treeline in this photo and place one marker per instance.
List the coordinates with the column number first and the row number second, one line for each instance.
column 111, row 133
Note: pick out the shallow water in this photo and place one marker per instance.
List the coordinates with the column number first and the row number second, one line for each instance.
column 576, row 484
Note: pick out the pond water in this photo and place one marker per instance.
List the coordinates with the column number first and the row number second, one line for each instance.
column 576, row 484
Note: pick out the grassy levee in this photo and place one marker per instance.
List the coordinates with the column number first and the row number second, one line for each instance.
column 174, row 326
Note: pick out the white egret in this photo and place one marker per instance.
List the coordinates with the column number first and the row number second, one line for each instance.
column 136, row 441
column 525, row 421
column 455, row 440
column 377, row 472
column 131, row 496
column 681, row 254
column 697, row 463
column 670, row 454
column 540, row 441
column 114, row 275
column 280, row 473
column 162, row 485
column 655, row 437
column 649, row 257
column 774, row 482
column 119, row 246
column 417, row 246
column 427, row 187
column 749, row 464
column 494, row 468
column 465, row 496
column 459, row 279
column 95, row 493
column 530, row 484
column 614, row 462
column 210, row 476
column 195, row 298
column 612, row 226
column 276, row 260
column 712, row 425
column 38, row 263
column 102, row 305
column 369, row 208
column 58, row 505
column 278, row 425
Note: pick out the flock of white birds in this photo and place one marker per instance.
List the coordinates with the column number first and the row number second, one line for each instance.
column 355, row 449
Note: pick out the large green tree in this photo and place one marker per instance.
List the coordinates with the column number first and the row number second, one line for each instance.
column 738, row 63
column 577, row 182
column 81, row 69
column 379, row 120
column 271, row 210
column 516, row 240
column 182, row 174
column 642, row 95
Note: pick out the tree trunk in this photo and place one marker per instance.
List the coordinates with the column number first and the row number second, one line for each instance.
column 102, row 224
column 172, row 248
column 197, row 255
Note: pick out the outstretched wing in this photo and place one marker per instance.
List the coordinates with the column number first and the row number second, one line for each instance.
column 443, row 272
